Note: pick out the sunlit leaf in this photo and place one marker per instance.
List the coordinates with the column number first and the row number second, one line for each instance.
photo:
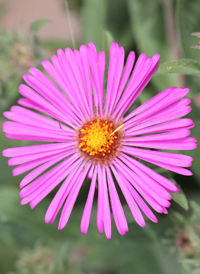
column 93, row 14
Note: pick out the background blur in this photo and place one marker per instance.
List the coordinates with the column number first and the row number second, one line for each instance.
column 31, row 31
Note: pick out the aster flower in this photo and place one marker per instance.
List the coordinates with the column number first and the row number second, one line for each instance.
column 87, row 134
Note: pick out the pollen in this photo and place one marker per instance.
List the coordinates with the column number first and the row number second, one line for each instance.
column 100, row 139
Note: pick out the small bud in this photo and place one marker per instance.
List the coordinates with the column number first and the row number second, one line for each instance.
column 185, row 243
column 22, row 56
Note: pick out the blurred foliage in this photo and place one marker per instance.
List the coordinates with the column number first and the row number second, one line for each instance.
column 27, row 244
column 68, row 248
column 185, row 237
column 188, row 19
column 18, row 52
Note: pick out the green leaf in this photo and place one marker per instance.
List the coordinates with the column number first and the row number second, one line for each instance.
column 107, row 41
column 93, row 14
column 182, row 66
column 36, row 25
column 179, row 197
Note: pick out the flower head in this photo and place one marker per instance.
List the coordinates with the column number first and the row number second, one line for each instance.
column 87, row 134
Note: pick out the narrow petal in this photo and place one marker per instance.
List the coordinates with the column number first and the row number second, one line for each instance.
column 100, row 202
column 59, row 77
column 159, row 178
column 118, row 213
column 71, row 81
column 179, row 144
column 172, row 125
column 36, row 133
column 30, row 150
column 129, row 199
column 88, row 206
column 39, row 184
column 77, row 78
column 28, row 158
column 116, row 81
column 39, row 100
column 173, row 135
column 29, row 117
column 47, row 187
column 150, row 183
column 36, row 172
column 96, row 82
column 106, row 206
column 178, row 108
column 84, row 63
column 58, row 200
column 126, row 73
column 69, row 204
column 163, row 99
column 32, row 164
column 142, row 74
column 62, row 100
column 163, row 157
column 141, row 203
column 114, row 53
column 140, row 184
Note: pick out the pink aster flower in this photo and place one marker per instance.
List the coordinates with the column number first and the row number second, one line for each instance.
column 87, row 134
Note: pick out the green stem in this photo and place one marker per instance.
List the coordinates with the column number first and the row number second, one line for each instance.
column 178, row 27
column 172, row 35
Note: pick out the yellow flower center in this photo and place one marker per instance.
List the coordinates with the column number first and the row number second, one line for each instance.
column 99, row 139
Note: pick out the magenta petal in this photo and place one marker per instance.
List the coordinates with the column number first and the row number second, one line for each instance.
column 141, row 203
column 130, row 201
column 33, row 174
column 100, row 204
column 151, row 173
column 106, row 207
column 140, row 185
column 71, row 199
column 58, row 200
column 117, row 209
